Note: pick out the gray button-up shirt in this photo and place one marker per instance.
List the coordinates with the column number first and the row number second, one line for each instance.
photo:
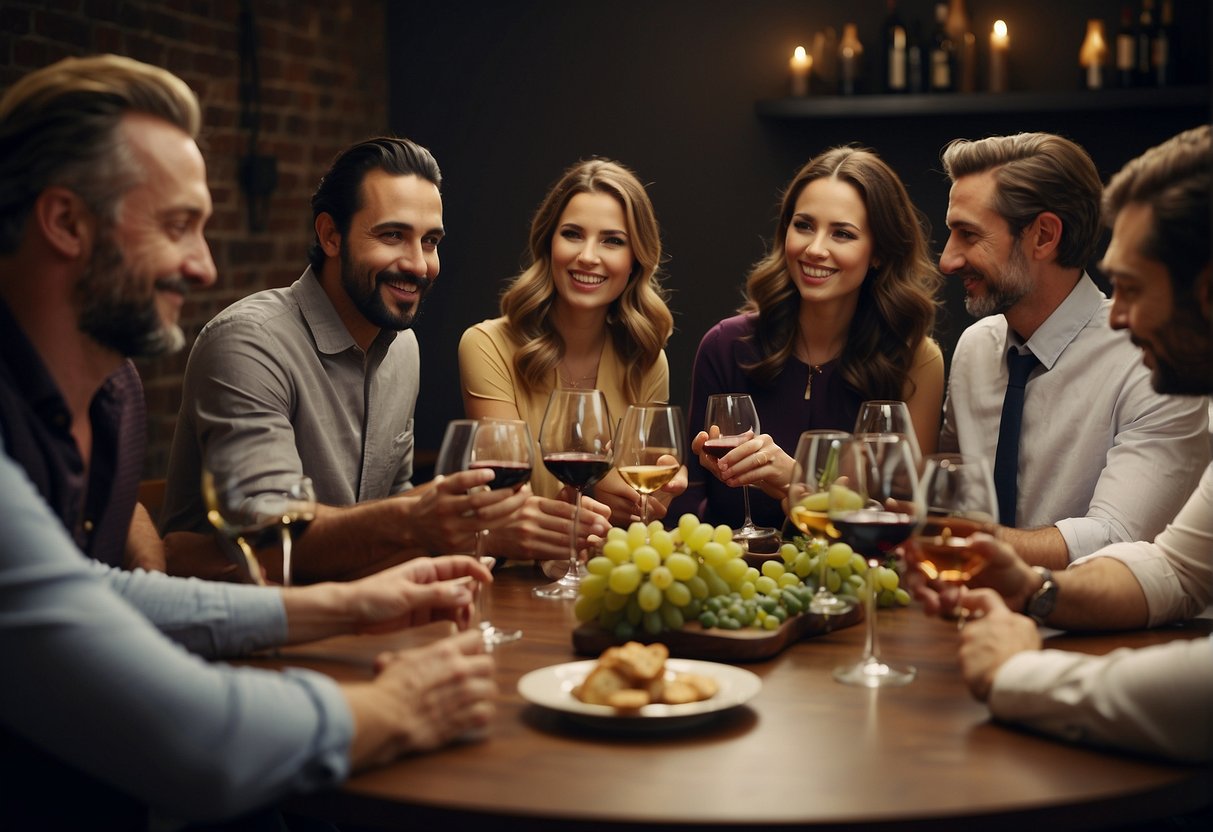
column 275, row 388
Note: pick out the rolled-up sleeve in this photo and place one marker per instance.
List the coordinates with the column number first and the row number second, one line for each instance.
column 1155, row 700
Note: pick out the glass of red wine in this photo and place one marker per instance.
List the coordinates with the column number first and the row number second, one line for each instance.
column 648, row 452
column 875, row 504
column 961, row 501
column 503, row 446
column 736, row 418
column 575, row 439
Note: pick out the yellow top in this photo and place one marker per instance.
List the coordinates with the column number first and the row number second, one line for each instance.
column 486, row 371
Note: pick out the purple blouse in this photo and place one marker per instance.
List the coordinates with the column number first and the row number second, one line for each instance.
column 783, row 412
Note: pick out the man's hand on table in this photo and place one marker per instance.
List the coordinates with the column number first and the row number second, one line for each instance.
column 540, row 530
column 1005, row 572
column 446, row 517
column 422, row 699
column 992, row 634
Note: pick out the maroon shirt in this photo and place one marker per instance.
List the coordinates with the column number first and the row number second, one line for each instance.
column 36, row 425
column 783, row 412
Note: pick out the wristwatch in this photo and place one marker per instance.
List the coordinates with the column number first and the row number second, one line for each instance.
column 1041, row 602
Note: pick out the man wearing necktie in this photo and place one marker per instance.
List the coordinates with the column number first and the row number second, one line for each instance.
column 1085, row 452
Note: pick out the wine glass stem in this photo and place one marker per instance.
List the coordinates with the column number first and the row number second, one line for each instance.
column 286, row 554
column 573, row 533
column 644, row 508
column 745, row 498
column 871, row 647
column 822, row 589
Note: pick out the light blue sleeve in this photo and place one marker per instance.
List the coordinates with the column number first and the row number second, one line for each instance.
column 92, row 682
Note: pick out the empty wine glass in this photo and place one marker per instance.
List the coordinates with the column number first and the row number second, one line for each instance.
column 649, row 449
column 503, row 446
column 575, row 439
column 816, row 468
column 875, row 509
column 736, row 418
column 254, row 519
column 881, row 416
column 961, row 501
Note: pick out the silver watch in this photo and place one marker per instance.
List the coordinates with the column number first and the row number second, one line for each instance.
column 1041, row 602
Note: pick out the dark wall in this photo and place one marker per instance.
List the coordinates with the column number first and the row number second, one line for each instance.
column 508, row 94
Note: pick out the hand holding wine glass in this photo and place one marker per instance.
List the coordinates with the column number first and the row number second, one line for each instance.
column 504, row 447
column 961, row 501
column 649, row 449
column 735, row 419
column 575, row 439
column 875, row 512
column 818, row 454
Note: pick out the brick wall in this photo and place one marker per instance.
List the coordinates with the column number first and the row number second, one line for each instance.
column 322, row 68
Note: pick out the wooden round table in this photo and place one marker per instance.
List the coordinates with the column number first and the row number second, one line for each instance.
column 805, row 752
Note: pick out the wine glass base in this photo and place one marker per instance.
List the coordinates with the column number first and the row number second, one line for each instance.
column 566, row 588
column 873, row 673
column 495, row 635
column 829, row 604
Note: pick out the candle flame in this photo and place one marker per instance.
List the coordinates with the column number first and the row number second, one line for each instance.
column 799, row 54
column 1000, row 29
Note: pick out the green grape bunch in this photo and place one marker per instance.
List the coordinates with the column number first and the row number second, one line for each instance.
column 648, row 579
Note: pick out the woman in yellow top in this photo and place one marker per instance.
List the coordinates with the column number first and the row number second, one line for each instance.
column 588, row 312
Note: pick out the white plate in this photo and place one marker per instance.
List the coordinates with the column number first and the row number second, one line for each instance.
column 552, row 687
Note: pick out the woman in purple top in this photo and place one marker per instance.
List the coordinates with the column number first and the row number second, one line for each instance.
column 838, row 312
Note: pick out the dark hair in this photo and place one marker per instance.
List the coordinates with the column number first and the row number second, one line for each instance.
column 59, row 126
column 1174, row 179
column 339, row 193
column 896, row 305
column 1037, row 172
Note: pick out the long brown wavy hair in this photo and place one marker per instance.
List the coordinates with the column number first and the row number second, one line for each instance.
column 639, row 322
column 896, row 305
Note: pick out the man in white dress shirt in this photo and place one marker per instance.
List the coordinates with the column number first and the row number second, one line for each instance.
column 1102, row 457
column 1156, row 700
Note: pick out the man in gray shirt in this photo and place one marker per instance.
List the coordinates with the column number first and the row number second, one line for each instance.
column 321, row 379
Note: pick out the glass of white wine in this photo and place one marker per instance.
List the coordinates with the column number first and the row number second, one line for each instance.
column 649, row 449
column 255, row 519
column 818, row 456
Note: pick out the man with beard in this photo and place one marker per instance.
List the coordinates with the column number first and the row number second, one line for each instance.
column 111, row 703
column 320, row 379
column 1154, row 700
column 1100, row 456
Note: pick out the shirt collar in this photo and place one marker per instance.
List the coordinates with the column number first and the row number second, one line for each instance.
column 322, row 319
column 1062, row 327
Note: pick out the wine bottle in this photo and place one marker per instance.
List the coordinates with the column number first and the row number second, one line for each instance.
column 943, row 53
column 1144, row 44
column 916, row 61
column 850, row 61
column 896, row 52
column 1163, row 55
column 1126, row 48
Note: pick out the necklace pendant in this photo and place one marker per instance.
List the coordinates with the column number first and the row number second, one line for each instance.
column 814, row 369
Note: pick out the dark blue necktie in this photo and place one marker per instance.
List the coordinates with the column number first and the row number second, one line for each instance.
column 1006, row 458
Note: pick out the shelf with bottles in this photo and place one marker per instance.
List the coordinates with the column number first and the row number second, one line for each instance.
column 960, row 103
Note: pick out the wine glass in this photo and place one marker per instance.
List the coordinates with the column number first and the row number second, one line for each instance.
column 961, row 501
column 881, row 416
column 875, row 509
column 649, row 449
column 736, row 417
column 503, row 446
column 575, row 439
column 255, row 519
column 816, row 468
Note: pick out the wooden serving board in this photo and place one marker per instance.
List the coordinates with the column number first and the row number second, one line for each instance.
column 745, row 645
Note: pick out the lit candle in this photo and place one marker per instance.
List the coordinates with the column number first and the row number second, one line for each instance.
column 1092, row 54
column 999, row 43
column 800, row 65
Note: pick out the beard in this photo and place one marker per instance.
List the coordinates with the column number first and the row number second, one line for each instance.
column 368, row 298
column 1012, row 285
column 1183, row 354
column 117, row 312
